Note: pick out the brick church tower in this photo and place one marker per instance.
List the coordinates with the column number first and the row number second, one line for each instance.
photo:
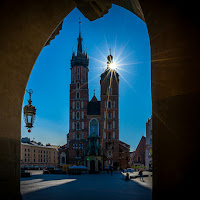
column 109, row 115
column 93, row 139
column 79, row 97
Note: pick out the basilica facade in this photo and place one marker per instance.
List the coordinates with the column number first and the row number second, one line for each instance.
column 93, row 138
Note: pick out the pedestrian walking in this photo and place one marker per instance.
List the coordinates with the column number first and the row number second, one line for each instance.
column 141, row 175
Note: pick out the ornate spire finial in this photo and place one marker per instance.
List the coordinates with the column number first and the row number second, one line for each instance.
column 79, row 27
column 79, row 50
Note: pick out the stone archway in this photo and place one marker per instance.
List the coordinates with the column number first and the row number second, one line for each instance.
column 174, row 35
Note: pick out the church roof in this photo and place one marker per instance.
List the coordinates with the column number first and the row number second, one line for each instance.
column 94, row 99
column 93, row 106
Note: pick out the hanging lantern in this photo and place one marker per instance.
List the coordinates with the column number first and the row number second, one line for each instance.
column 29, row 112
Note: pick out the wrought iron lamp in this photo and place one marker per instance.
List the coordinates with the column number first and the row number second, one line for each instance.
column 29, row 112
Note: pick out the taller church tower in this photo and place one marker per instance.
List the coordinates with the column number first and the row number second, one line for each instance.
column 79, row 97
column 110, row 114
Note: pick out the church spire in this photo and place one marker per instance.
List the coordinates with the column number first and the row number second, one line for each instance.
column 81, row 58
column 80, row 39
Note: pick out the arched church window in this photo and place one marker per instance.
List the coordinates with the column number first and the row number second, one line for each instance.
column 78, row 115
column 84, row 75
column 77, row 136
column 78, row 95
column 109, row 115
column 77, row 105
column 94, row 127
column 109, row 104
column 77, row 125
column 113, row 135
column 109, row 91
column 109, row 126
column 78, row 73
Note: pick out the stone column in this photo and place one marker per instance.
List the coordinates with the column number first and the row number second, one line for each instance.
column 25, row 28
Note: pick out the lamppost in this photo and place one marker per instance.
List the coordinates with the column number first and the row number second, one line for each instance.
column 29, row 112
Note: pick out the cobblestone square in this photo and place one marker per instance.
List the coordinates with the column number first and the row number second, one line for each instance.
column 85, row 186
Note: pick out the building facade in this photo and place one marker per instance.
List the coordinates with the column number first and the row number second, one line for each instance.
column 148, row 151
column 34, row 154
column 63, row 156
column 93, row 138
column 139, row 154
column 124, row 155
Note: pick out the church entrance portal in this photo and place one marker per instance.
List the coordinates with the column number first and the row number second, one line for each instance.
column 92, row 166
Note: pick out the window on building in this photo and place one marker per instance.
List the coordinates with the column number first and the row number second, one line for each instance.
column 73, row 136
column 104, row 114
column 78, row 95
column 138, row 159
column 82, row 135
column 94, row 127
column 109, row 104
column 104, row 124
column 77, row 136
column 63, row 160
column 78, row 115
column 73, row 105
column 113, row 135
column 114, row 114
column 113, row 124
column 104, row 135
column 82, row 125
column 150, row 140
column 109, row 91
column 73, row 115
column 109, row 115
column 72, row 125
column 77, row 125
column 78, row 73
column 82, row 115
column 109, row 126
column 24, row 149
column 77, row 105
column 81, row 104
column 109, row 135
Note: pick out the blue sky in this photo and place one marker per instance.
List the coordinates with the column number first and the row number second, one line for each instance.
column 127, row 36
